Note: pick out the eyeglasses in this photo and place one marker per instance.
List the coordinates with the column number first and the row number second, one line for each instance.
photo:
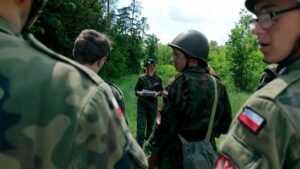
column 266, row 20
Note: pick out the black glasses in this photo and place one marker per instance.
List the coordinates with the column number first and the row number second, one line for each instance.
column 266, row 20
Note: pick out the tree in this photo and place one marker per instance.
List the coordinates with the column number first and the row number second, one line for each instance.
column 62, row 21
column 219, row 62
column 245, row 60
column 164, row 54
column 151, row 46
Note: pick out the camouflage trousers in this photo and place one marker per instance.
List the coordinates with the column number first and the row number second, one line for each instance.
column 146, row 114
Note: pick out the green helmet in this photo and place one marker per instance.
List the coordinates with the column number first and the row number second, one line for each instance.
column 193, row 43
column 250, row 4
column 36, row 9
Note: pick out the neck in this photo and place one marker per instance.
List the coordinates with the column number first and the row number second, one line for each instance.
column 13, row 15
column 93, row 67
column 150, row 73
column 193, row 62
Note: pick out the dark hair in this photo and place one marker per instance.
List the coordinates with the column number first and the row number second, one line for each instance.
column 91, row 45
column 201, row 62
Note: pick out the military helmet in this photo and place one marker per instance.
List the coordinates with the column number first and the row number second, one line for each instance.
column 36, row 9
column 149, row 62
column 251, row 3
column 193, row 43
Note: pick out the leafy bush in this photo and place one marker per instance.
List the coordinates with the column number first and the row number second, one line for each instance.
column 166, row 72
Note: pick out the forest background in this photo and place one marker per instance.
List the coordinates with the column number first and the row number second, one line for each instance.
column 238, row 62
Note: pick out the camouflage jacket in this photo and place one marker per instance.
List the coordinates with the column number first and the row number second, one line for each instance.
column 55, row 113
column 146, row 82
column 270, row 73
column 187, row 111
column 118, row 94
column 266, row 133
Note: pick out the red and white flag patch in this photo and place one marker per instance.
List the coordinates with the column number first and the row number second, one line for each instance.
column 117, row 108
column 223, row 163
column 252, row 120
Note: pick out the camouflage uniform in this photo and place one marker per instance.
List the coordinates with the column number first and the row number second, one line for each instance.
column 146, row 105
column 187, row 111
column 118, row 94
column 270, row 73
column 55, row 113
column 270, row 139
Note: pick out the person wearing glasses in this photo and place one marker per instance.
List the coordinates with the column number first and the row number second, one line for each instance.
column 266, row 134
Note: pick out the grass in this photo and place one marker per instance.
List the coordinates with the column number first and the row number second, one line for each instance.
column 127, row 84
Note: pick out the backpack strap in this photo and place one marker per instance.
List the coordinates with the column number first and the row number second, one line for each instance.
column 212, row 115
column 213, row 111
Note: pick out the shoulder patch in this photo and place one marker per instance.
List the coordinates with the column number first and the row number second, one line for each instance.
column 223, row 163
column 252, row 120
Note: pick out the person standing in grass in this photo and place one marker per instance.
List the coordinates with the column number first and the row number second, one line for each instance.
column 148, row 87
column 91, row 49
column 188, row 107
column 265, row 133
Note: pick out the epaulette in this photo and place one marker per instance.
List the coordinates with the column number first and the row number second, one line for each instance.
column 280, row 84
column 42, row 48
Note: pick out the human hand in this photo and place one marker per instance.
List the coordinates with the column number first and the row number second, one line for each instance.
column 140, row 93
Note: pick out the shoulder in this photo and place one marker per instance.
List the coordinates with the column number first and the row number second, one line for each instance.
column 157, row 76
column 114, row 87
column 276, row 103
column 142, row 76
column 280, row 86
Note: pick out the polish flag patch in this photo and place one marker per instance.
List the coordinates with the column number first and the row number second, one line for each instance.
column 252, row 120
column 117, row 108
column 223, row 163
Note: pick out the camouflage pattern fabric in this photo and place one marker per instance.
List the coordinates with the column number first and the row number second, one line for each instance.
column 118, row 94
column 57, row 114
column 271, row 139
column 270, row 73
column 146, row 106
column 187, row 111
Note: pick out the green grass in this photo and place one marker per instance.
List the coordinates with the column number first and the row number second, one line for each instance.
column 127, row 84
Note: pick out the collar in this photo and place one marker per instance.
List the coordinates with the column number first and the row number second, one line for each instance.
column 194, row 69
column 293, row 66
column 8, row 28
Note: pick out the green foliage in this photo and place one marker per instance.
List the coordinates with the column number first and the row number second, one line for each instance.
column 244, row 60
column 127, row 84
column 238, row 63
column 219, row 62
column 151, row 46
column 164, row 54
column 166, row 72
column 62, row 21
